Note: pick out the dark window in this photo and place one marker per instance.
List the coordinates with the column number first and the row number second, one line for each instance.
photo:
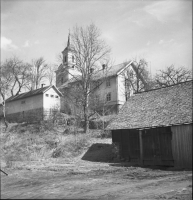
column 52, row 96
column 47, row 95
column 65, row 59
column 108, row 96
column 72, row 58
column 108, row 83
column 56, row 96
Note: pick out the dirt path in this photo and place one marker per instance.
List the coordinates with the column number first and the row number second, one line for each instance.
column 92, row 180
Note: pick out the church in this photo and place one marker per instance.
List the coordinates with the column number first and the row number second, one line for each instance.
column 110, row 86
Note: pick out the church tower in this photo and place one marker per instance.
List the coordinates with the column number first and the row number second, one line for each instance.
column 67, row 68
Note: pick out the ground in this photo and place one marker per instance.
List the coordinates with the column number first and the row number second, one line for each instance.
column 87, row 179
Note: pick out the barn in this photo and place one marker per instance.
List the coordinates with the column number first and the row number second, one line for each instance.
column 155, row 127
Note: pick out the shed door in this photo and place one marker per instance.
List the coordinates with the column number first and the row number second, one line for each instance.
column 157, row 148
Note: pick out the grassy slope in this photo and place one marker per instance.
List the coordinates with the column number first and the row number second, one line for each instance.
column 22, row 142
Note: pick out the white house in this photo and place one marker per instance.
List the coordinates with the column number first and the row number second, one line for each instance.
column 111, row 89
column 34, row 105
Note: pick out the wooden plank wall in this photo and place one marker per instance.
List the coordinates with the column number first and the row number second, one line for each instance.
column 182, row 145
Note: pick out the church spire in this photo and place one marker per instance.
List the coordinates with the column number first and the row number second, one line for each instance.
column 68, row 44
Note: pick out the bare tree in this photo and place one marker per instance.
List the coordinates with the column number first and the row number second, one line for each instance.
column 38, row 71
column 172, row 75
column 16, row 72
column 50, row 73
column 90, row 52
column 137, row 78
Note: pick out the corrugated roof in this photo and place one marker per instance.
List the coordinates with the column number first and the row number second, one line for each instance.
column 161, row 107
column 30, row 93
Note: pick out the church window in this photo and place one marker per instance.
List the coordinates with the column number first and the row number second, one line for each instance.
column 65, row 59
column 108, row 97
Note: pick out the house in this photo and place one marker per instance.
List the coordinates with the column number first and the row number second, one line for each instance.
column 34, row 105
column 155, row 127
column 109, row 82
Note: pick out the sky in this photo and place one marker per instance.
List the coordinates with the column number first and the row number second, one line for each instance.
column 159, row 31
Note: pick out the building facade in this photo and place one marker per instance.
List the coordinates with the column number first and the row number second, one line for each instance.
column 155, row 127
column 34, row 105
column 109, row 82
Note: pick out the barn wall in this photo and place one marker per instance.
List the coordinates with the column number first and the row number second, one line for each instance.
column 182, row 145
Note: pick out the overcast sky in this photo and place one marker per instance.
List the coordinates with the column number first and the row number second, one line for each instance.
column 159, row 31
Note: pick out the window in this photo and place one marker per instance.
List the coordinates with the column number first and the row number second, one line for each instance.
column 56, row 96
column 65, row 59
column 22, row 102
column 108, row 96
column 47, row 95
column 108, row 83
column 52, row 96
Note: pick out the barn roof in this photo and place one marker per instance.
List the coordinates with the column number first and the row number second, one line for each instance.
column 32, row 93
column 159, row 107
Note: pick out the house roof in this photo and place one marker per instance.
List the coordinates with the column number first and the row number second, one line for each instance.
column 32, row 93
column 159, row 107
column 100, row 74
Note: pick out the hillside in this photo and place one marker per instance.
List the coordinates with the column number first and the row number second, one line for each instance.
column 22, row 143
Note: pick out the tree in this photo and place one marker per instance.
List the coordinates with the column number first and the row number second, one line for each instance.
column 5, row 80
column 172, row 75
column 137, row 78
column 38, row 71
column 16, row 73
column 90, row 52
column 50, row 73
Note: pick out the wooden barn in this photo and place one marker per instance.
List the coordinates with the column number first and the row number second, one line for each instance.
column 155, row 127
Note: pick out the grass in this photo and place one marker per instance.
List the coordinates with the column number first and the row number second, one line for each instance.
column 35, row 142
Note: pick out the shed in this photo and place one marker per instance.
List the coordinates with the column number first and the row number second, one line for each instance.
column 155, row 127
column 34, row 105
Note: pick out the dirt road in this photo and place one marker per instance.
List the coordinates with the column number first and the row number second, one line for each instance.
column 94, row 180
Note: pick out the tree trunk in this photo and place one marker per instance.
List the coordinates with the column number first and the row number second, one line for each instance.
column 86, row 118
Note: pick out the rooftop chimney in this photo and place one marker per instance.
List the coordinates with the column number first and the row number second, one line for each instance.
column 103, row 66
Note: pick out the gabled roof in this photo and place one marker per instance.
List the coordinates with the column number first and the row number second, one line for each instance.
column 159, row 107
column 112, row 71
column 33, row 92
column 100, row 74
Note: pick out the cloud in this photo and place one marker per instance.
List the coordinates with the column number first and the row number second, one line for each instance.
column 166, row 43
column 7, row 44
column 26, row 43
column 164, row 11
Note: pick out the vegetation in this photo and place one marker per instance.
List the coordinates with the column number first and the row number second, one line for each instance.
column 35, row 142
column 172, row 75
